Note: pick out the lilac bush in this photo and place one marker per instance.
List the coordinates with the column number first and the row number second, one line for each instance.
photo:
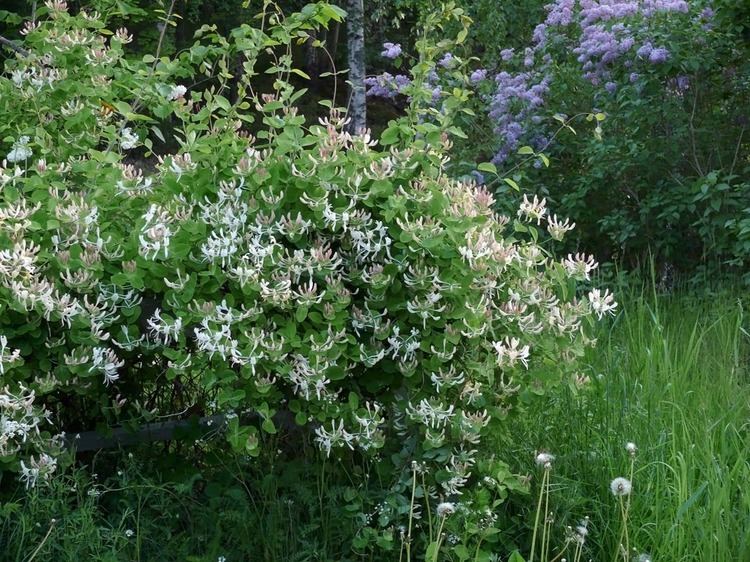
column 605, row 37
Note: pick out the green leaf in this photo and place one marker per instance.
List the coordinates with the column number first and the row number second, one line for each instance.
column 487, row 167
column 268, row 426
column 298, row 72
column 223, row 102
column 525, row 150
column 511, row 183
column 389, row 136
column 461, row 552
column 157, row 131
column 300, row 314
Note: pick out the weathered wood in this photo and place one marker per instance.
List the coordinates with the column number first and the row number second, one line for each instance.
column 124, row 437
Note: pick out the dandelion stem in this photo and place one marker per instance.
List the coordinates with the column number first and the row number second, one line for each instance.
column 546, row 530
column 427, row 506
column 560, row 554
column 536, row 519
column 44, row 540
column 627, row 509
column 439, row 538
column 411, row 512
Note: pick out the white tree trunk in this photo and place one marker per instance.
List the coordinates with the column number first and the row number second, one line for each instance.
column 355, row 33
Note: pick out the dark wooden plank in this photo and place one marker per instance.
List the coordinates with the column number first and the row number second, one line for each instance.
column 124, row 437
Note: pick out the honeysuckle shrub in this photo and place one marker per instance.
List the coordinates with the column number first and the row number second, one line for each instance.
column 156, row 258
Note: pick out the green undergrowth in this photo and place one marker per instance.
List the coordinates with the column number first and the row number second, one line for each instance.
column 669, row 374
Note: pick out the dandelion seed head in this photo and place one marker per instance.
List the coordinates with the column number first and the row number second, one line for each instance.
column 621, row 487
column 444, row 509
column 544, row 460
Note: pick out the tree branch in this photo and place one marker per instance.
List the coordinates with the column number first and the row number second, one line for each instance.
column 13, row 46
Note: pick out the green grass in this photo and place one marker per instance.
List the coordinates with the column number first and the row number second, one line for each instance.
column 671, row 375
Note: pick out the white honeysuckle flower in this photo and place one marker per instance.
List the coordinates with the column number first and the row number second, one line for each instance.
column 336, row 437
column 557, row 229
column 106, row 362
column 510, row 351
column 602, row 303
column 580, row 266
column 7, row 356
column 166, row 331
column 533, row 210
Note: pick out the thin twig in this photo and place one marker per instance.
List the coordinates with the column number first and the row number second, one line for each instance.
column 736, row 151
column 13, row 46
column 163, row 33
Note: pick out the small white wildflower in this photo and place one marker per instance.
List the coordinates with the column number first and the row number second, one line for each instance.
column 177, row 93
column 631, row 449
column 129, row 533
column 445, row 509
column 621, row 486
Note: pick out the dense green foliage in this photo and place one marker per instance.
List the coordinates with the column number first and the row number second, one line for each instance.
column 378, row 344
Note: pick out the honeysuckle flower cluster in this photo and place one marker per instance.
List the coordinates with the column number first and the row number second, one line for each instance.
column 384, row 303
column 22, row 431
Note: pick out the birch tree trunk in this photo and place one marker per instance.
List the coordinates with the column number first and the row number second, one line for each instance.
column 355, row 34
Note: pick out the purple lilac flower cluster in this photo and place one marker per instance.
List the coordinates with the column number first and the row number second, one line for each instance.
column 391, row 50
column 516, row 100
column 478, row 75
column 386, row 85
column 609, row 33
column 706, row 19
